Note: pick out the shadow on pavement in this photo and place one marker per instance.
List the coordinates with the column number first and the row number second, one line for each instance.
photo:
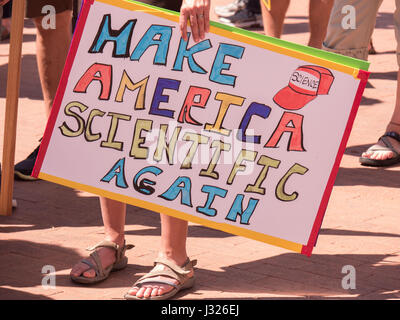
column 341, row 232
column 369, row 101
column 356, row 150
column 317, row 277
column 44, row 205
column 294, row 28
column 59, row 206
column 390, row 75
column 384, row 20
column 367, row 176
column 30, row 82
column 289, row 274
column 11, row 294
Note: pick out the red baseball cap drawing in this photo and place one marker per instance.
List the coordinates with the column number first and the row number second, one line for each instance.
column 305, row 84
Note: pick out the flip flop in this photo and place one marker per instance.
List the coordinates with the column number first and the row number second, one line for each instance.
column 101, row 272
column 388, row 147
column 173, row 271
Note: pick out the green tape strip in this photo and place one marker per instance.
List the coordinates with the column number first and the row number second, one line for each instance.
column 326, row 55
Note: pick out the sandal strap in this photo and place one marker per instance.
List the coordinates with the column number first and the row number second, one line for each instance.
column 90, row 264
column 142, row 282
column 120, row 251
column 104, row 243
column 185, row 269
column 99, row 267
column 387, row 143
column 392, row 134
column 173, row 271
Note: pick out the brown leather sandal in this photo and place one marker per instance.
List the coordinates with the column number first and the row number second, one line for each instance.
column 173, row 271
column 101, row 272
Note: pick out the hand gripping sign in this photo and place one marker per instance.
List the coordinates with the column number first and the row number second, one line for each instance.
column 238, row 132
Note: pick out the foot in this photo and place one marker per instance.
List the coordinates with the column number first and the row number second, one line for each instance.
column 156, row 289
column 243, row 18
column 107, row 258
column 384, row 154
column 371, row 49
column 4, row 33
column 23, row 169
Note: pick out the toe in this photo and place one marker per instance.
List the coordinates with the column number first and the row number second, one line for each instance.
column 133, row 291
column 140, row 293
column 365, row 154
column 89, row 273
column 78, row 269
column 154, row 291
column 147, row 292
column 383, row 155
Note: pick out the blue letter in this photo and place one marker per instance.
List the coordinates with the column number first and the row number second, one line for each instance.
column 118, row 171
column 142, row 187
column 121, row 38
column 254, row 109
column 148, row 40
column 237, row 209
column 159, row 97
column 183, row 52
column 219, row 63
column 212, row 192
column 174, row 190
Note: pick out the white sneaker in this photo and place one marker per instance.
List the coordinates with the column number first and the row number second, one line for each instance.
column 230, row 9
column 243, row 19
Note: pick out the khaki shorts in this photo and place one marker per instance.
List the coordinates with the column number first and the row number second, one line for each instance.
column 34, row 7
column 354, row 42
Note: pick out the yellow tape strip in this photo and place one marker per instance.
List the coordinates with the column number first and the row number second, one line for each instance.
column 175, row 213
column 267, row 4
column 242, row 38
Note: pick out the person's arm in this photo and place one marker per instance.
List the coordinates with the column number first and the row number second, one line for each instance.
column 198, row 13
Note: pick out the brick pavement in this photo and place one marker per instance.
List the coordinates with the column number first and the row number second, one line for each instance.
column 54, row 224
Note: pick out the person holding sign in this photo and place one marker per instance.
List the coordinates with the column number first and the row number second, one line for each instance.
column 173, row 269
column 354, row 42
column 52, row 19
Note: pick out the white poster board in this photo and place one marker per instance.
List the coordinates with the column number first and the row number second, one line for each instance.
column 238, row 132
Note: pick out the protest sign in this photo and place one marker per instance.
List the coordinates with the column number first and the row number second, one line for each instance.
column 238, row 132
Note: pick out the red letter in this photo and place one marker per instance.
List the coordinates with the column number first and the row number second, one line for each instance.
column 295, row 130
column 203, row 94
column 96, row 72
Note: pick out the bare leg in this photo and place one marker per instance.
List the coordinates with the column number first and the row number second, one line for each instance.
column 173, row 247
column 319, row 12
column 394, row 125
column 113, row 214
column 173, row 244
column 273, row 19
column 51, row 50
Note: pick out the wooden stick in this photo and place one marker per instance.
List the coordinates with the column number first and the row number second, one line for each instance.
column 10, row 122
